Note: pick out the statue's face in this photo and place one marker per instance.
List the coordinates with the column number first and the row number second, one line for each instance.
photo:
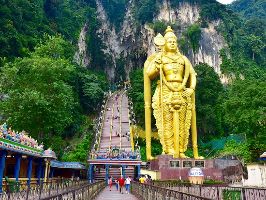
column 171, row 45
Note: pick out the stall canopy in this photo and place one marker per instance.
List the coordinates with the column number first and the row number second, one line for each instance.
column 67, row 165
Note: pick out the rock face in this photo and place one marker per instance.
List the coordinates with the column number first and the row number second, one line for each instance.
column 210, row 44
column 133, row 43
column 81, row 56
column 211, row 41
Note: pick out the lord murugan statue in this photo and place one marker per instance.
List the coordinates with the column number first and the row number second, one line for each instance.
column 173, row 101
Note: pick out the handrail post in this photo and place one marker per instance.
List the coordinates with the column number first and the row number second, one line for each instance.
column 27, row 194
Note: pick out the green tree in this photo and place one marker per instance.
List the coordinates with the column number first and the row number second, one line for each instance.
column 145, row 10
column 115, row 10
column 80, row 153
column 137, row 96
column 244, row 112
column 54, row 47
column 40, row 98
column 240, row 150
column 159, row 27
column 209, row 91
column 183, row 44
column 91, row 88
column 193, row 35
column 256, row 45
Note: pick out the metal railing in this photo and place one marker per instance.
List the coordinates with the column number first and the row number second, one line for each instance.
column 150, row 192
column 34, row 191
column 98, row 125
column 86, row 192
column 219, row 192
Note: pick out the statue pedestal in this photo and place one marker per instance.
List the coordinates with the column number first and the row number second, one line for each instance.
column 178, row 169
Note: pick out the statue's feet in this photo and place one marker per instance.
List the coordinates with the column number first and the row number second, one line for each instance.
column 182, row 155
column 150, row 158
column 199, row 157
column 171, row 152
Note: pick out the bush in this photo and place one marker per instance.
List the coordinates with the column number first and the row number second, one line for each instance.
column 159, row 27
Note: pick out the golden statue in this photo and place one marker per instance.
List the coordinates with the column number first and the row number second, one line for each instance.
column 174, row 99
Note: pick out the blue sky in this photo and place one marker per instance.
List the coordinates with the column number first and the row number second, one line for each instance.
column 225, row 1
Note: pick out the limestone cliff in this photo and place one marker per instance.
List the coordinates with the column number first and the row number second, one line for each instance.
column 81, row 56
column 134, row 42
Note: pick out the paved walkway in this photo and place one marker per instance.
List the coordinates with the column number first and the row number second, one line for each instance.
column 106, row 194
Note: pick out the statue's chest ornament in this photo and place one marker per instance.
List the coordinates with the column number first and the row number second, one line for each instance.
column 175, row 67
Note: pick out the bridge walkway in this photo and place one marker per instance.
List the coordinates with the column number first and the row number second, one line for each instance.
column 106, row 194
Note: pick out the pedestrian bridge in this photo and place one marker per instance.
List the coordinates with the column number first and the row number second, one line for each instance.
column 82, row 190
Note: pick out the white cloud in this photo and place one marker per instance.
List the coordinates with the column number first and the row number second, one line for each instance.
column 225, row 1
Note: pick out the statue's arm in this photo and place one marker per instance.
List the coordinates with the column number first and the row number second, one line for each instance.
column 153, row 68
column 192, row 78
column 192, row 74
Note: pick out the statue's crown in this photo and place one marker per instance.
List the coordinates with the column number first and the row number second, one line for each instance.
column 169, row 33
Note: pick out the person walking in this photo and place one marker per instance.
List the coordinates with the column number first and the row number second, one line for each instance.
column 121, row 182
column 128, row 181
column 110, row 182
column 116, row 184
column 142, row 179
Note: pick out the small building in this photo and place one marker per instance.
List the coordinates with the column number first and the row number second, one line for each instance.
column 20, row 157
column 23, row 160
column 75, row 170
column 256, row 175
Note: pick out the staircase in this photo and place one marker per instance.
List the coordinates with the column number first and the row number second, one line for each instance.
column 115, row 133
column 116, row 122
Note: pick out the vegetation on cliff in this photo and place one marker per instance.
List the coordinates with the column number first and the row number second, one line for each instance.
column 249, row 8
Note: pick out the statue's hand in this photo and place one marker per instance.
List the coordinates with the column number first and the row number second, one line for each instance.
column 158, row 59
column 188, row 92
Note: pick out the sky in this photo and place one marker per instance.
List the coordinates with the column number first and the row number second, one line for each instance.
column 225, row 1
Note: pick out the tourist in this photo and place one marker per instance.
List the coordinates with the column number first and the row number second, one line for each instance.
column 142, row 179
column 121, row 182
column 128, row 180
column 110, row 182
column 116, row 184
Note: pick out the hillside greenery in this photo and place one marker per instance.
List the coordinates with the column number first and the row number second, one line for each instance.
column 115, row 10
column 23, row 23
column 249, row 8
column 47, row 95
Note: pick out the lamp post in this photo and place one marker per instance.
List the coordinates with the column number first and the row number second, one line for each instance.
column 48, row 156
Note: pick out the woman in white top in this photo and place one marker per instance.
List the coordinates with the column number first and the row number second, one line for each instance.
column 110, row 182
column 128, row 180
